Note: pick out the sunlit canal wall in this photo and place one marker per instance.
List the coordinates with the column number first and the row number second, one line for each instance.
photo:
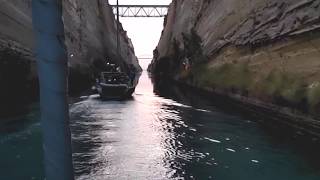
column 262, row 52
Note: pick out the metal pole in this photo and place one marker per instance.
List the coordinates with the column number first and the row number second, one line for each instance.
column 52, row 59
column 118, row 31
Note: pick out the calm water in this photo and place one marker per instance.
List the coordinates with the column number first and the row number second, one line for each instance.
column 164, row 135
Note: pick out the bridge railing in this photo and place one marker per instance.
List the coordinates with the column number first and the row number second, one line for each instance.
column 141, row 10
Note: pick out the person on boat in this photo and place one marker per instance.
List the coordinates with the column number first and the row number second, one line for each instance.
column 118, row 69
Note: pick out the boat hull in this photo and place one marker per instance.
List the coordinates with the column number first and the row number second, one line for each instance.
column 119, row 91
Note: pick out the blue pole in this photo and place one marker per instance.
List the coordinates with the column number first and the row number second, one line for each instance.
column 52, row 70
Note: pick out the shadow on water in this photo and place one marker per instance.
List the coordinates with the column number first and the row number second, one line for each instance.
column 279, row 135
column 21, row 147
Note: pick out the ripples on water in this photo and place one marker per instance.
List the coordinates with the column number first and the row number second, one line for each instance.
column 20, row 147
column 157, row 137
column 165, row 135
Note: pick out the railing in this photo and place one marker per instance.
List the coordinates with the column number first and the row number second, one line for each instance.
column 141, row 10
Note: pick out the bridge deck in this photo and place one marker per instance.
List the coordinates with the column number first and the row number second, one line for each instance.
column 141, row 10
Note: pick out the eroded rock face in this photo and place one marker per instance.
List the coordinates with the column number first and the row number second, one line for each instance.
column 263, row 49
column 90, row 30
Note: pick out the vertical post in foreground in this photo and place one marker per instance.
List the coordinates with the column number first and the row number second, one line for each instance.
column 52, row 70
column 118, row 30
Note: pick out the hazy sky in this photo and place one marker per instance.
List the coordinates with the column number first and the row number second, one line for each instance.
column 144, row 32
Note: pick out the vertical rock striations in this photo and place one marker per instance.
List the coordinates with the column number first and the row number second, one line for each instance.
column 265, row 51
column 90, row 30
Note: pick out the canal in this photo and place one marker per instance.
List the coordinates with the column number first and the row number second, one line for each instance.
column 164, row 133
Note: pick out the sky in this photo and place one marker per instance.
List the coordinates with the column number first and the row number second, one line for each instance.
column 144, row 32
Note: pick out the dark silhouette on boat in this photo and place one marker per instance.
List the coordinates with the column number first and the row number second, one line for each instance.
column 116, row 85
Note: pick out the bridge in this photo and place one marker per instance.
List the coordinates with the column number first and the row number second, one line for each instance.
column 140, row 10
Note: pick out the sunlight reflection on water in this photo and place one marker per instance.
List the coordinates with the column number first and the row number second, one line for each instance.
column 152, row 137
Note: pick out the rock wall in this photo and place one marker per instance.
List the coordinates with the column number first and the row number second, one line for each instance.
column 266, row 51
column 90, row 30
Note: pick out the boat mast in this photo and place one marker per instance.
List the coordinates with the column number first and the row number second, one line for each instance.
column 118, row 30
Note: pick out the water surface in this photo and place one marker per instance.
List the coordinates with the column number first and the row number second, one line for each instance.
column 164, row 133
column 168, row 133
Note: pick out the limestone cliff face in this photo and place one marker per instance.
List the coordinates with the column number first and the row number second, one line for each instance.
column 263, row 49
column 90, row 30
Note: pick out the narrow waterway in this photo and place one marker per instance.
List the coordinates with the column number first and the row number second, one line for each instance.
column 165, row 133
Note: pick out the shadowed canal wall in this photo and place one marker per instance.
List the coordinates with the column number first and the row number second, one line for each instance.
column 90, row 31
column 264, row 52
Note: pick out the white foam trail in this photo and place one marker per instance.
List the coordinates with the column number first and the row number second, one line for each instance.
column 231, row 150
column 212, row 140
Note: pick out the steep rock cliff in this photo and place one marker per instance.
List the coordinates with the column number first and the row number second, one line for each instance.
column 265, row 50
column 90, row 30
